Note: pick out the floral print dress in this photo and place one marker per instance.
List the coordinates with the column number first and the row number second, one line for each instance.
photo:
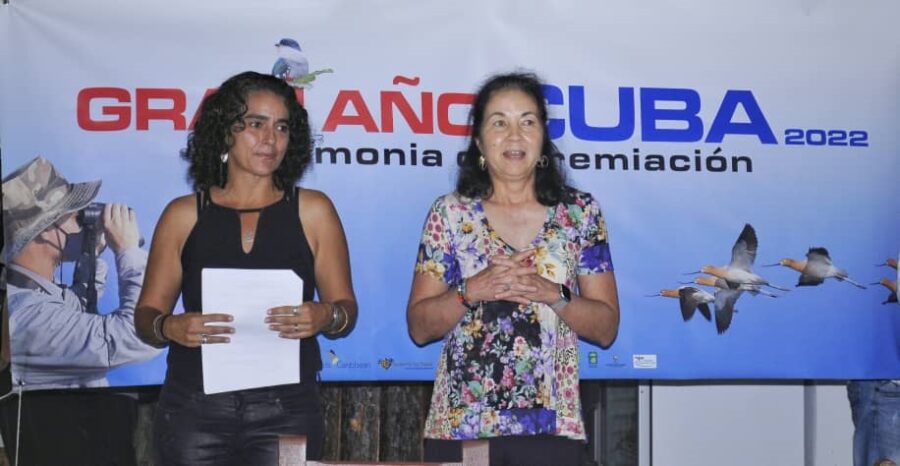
column 509, row 369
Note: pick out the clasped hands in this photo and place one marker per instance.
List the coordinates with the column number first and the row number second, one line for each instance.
column 193, row 329
column 511, row 278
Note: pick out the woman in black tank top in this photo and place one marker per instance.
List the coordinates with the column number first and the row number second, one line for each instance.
column 249, row 147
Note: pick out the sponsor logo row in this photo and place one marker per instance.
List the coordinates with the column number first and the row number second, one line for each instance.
column 592, row 359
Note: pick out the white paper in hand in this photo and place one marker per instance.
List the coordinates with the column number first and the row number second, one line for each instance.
column 256, row 356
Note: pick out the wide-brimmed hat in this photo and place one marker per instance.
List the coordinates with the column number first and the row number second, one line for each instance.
column 35, row 196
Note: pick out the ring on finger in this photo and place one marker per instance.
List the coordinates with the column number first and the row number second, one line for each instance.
column 295, row 310
column 204, row 338
column 296, row 327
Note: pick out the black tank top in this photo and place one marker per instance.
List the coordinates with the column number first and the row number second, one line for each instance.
column 215, row 242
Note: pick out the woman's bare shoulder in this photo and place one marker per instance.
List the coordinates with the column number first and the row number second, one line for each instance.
column 180, row 215
column 314, row 203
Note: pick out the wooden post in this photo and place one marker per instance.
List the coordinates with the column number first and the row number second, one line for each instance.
column 403, row 410
column 332, row 412
column 361, row 422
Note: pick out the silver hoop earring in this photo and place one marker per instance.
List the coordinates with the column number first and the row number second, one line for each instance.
column 481, row 162
column 224, row 157
column 543, row 161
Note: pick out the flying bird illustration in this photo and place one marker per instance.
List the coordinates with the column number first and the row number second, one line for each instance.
column 890, row 285
column 725, row 300
column 693, row 299
column 816, row 268
column 690, row 299
column 720, row 283
column 739, row 270
column 889, row 262
column 726, row 295
column 293, row 66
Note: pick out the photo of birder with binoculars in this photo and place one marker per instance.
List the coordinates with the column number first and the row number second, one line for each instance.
column 59, row 338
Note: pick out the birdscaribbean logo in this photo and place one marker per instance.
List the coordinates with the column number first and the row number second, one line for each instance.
column 334, row 358
column 386, row 363
column 292, row 65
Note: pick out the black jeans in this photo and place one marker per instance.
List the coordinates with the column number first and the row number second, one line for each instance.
column 242, row 427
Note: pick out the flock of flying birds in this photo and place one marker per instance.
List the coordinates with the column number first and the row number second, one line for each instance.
column 727, row 283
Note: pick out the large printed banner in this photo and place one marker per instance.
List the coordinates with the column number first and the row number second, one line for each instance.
column 770, row 123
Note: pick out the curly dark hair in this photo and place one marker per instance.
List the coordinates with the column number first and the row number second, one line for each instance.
column 473, row 181
column 222, row 113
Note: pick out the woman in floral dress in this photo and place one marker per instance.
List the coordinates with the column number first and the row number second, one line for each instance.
column 512, row 269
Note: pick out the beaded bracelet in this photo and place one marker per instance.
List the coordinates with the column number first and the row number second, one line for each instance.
column 461, row 296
